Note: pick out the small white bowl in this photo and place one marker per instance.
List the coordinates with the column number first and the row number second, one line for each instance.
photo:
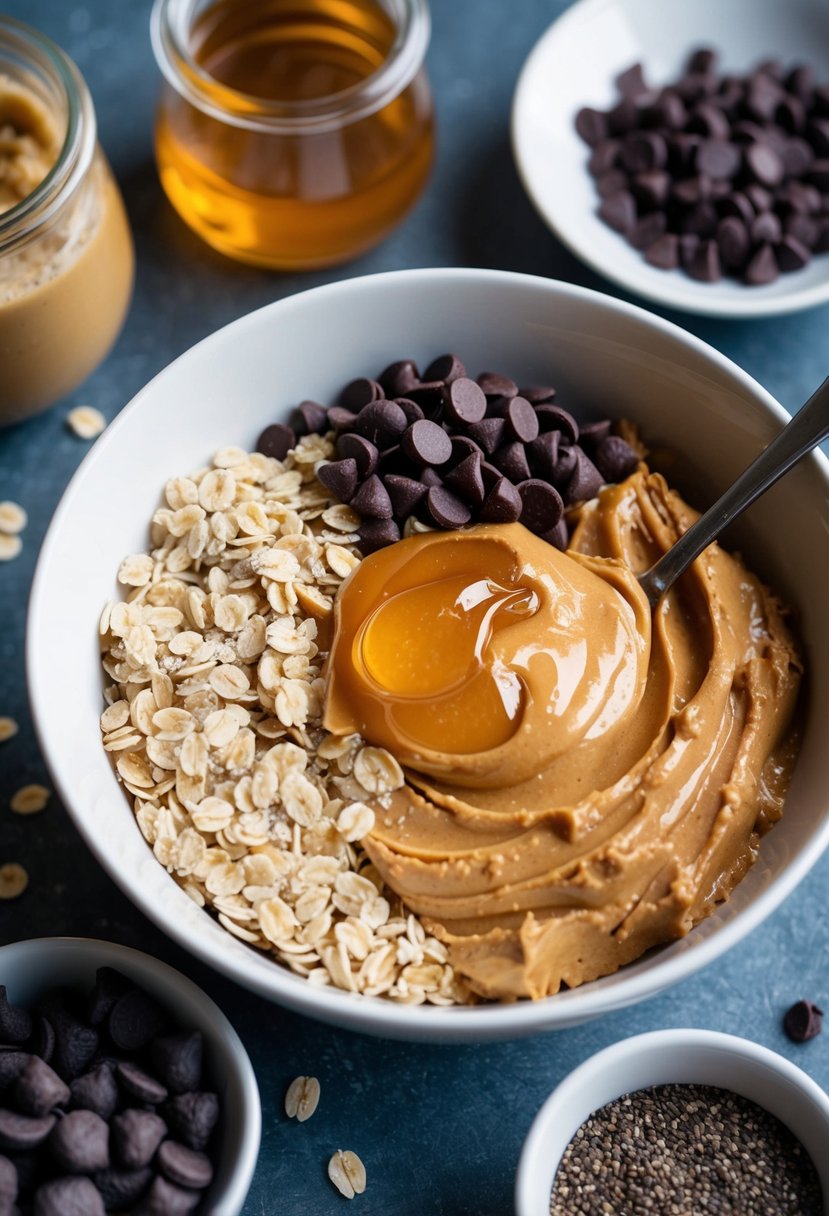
column 668, row 1057
column 574, row 64
column 606, row 358
column 28, row 968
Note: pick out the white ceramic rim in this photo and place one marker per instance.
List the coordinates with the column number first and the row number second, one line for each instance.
column 537, row 1165
column 795, row 300
column 178, row 990
column 375, row 1016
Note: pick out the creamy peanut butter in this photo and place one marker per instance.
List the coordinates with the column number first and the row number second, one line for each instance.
column 65, row 286
column 627, row 768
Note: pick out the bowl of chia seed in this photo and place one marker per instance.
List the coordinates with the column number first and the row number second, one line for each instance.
column 679, row 1123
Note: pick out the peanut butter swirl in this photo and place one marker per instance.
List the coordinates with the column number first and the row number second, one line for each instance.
column 625, row 796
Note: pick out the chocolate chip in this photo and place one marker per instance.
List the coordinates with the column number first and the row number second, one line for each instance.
column 487, row 434
column 465, row 402
column 541, row 505
column 803, row 1021
column 184, row 1166
column 495, row 385
column 623, row 117
column 376, row 534
column 558, row 536
column 491, row 476
column 430, row 477
column 631, row 82
column 760, row 199
column 21, row 1132
column 565, row 466
column 467, row 480
column 43, row 1039
column 39, row 1089
column 703, row 60
column 340, row 419
column 309, row 418
column 648, row 230
column 644, row 151
column 381, row 422
column 429, row 396
column 462, row 446
column 705, row 264
column 618, row 210
column 359, row 449
column 537, row 394
column 177, row 1059
column 15, row 1022
column 75, row 1045
column 762, row 267
column 135, row 1019
column 340, row 477
column 522, row 420
column 405, row 494
column 818, row 175
column 12, row 1064
column 370, row 502
column 446, row 368
column 765, row 164
column 664, row 252
column 360, row 392
column 96, row 1091
column 791, row 254
column 502, row 504
column 276, row 441
column 399, row 377
column 511, row 459
column 136, row 1134
column 591, row 433
column 425, row 443
column 120, row 1189
column 615, row 458
column 652, row 189
column 718, row 158
column 192, row 1117
column 79, row 1143
column 446, row 509
column 585, row 481
column 68, row 1197
column 733, row 242
column 817, row 134
column 554, row 418
column 605, row 156
column 591, row 125
column 804, row 229
column 738, row 205
column 164, row 1198
column 797, row 157
column 542, row 453
column 611, row 182
column 708, row 121
column 142, row 1087
column 411, row 409
column 767, row 227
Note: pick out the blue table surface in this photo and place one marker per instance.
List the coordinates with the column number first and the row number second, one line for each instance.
column 439, row 1128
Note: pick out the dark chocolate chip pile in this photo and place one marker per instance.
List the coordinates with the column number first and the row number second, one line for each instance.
column 451, row 451
column 101, row 1106
column 719, row 175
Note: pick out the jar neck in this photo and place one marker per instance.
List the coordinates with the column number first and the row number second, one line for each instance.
column 32, row 60
column 171, row 27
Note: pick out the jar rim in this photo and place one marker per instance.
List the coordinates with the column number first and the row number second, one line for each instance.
column 36, row 50
column 170, row 27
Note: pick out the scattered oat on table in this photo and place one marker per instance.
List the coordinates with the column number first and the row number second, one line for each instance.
column 8, row 729
column 10, row 547
column 13, row 518
column 213, row 720
column 302, row 1098
column 347, row 1172
column 13, row 880
column 86, row 422
column 30, row 799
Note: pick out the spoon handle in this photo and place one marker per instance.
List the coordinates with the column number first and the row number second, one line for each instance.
column 806, row 429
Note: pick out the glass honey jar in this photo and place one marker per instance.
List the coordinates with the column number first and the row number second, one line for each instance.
column 293, row 133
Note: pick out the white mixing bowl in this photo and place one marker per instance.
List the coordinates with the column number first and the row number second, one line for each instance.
column 605, row 358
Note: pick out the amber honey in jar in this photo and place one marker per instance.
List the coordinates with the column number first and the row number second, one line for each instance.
column 66, row 257
column 293, row 133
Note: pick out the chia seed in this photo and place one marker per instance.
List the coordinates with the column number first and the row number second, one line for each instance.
column 685, row 1150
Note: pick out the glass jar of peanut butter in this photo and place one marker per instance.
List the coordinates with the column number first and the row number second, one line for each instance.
column 293, row 133
column 66, row 257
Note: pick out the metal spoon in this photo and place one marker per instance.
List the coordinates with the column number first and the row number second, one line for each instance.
column 808, row 428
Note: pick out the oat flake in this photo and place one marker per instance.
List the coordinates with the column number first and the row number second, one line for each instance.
column 13, row 880
column 86, row 422
column 30, row 799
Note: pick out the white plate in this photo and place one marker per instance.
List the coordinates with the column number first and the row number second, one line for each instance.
column 574, row 65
